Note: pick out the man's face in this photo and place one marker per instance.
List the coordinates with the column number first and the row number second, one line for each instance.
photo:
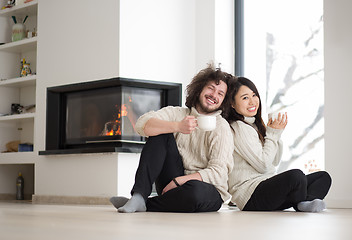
column 211, row 97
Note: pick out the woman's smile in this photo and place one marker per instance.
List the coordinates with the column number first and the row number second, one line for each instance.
column 246, row 102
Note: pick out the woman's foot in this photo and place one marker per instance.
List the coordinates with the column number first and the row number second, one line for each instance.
column 316, row 205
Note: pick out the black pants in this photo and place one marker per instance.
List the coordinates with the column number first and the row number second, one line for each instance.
column 287, row 189
column 160, row 162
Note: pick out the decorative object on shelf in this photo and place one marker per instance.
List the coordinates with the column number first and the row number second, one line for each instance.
column 16, row 108
column 31, row 34
column 19, row 187
column 25, row 147
column 23, row 61
column 26, row 70
column 18, row 29
column 9, row 4
column 17, row 146
column 12, row 146
column 19, row 109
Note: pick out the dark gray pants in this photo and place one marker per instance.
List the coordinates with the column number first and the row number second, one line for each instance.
column 287, row 189
column 160, row 162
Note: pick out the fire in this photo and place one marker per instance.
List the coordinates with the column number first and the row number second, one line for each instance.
column 124, row 110
column 114, row 127
column 114, row 130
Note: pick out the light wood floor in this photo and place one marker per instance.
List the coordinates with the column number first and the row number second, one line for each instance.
column 28, row 221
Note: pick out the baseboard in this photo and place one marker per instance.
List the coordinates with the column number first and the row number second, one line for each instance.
column 49, row 199
column 12, row 196
column 338, row 203
column 7, row 196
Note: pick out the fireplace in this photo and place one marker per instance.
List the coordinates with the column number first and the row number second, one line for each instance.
column 99, row 116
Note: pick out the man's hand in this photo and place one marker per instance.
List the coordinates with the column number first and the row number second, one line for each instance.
column 187, row 125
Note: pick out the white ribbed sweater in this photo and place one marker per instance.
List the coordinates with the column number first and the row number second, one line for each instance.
column 253, row 162
column 206, row 152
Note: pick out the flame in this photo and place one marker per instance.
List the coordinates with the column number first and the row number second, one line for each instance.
column 117, row 132
column 122, row 112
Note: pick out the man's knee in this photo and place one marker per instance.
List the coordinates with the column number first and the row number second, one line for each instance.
column 203, row 196
column 160, row 138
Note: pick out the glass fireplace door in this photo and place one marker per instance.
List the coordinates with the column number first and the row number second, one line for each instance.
column 108, row 114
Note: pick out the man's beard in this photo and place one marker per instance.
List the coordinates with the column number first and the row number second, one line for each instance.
column 207, row 109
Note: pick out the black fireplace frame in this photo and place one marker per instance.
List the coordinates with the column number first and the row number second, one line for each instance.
column 55, row 115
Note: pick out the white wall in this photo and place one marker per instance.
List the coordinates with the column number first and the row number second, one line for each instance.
column 224, row 35
column 338, row 98
column 83, row 40
column 78, row 41
column 172, row 40
column 157, row 40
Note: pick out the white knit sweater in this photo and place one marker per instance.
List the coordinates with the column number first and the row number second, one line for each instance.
column 207, row 152
column 253, row 162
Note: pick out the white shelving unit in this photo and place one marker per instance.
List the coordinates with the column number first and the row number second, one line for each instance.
column 25, row 45
column 19, row 82
column 24, row 9
column 16, row 89
column 17, row 158
column 17, row 117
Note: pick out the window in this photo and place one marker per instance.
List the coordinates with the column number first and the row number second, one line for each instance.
column 281, row 51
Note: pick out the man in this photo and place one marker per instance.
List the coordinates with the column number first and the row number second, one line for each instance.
column 188, row 165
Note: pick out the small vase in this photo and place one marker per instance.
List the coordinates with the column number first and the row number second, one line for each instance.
column 18, row 32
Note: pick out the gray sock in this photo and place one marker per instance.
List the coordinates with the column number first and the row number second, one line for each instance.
column 317, row 205
column 118, row 201
column 135, row 204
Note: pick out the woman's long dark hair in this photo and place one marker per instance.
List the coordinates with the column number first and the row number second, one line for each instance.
column 235, row 116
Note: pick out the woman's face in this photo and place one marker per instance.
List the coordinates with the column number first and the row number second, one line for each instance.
column 246, row 102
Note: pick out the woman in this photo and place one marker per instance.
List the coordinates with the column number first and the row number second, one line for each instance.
column 253, row 183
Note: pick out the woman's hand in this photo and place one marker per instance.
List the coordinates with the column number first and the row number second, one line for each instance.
column 170, row 186
column 182, row 180
column 279, row 123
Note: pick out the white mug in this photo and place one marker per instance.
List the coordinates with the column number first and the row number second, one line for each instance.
column 274, row 115
column 206, row 123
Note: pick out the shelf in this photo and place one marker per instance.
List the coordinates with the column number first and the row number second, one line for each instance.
column 19, row 82
column 16, row 89
column 17, row 117
column 24, row 9
column 18, row 158
column 20, row 46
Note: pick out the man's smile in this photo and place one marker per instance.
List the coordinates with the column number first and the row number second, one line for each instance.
column 211, row 100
